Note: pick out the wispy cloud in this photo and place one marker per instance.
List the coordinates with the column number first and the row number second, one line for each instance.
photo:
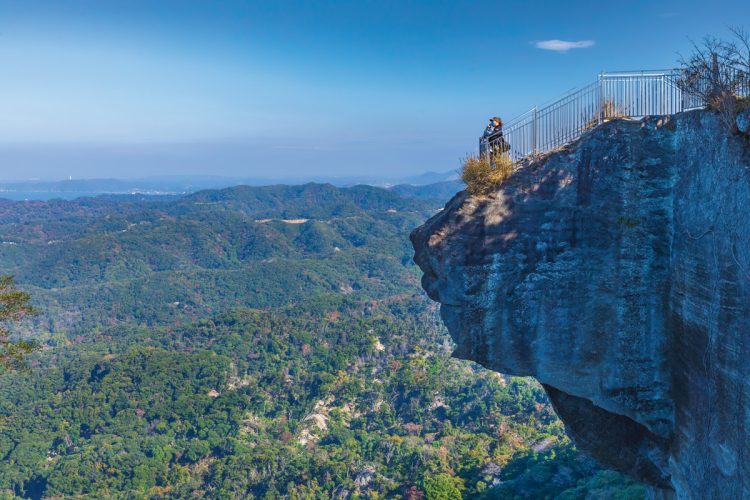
column 563, row 45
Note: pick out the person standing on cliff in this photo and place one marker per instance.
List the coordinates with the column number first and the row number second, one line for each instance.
column 497, row 125
column 484, row 141
column 489, row 129
column 498, row 144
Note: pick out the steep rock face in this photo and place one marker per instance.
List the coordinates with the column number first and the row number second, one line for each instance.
column 617, row 273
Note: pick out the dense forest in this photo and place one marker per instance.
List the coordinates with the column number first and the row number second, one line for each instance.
column 257, row 343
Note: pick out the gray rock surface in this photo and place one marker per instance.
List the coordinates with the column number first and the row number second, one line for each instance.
column 617, row 273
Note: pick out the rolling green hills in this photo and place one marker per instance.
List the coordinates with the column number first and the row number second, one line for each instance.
column 258, row 343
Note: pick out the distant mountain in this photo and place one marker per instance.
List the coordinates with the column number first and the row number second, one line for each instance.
column 130, row 237
column 40, row 189
column 307, row 200
column 430, row 178
column 257, row 342
column 437, row 191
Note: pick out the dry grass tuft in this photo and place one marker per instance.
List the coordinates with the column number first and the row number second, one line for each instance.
column 483, row 175
column 743, row 103
column 612, row 111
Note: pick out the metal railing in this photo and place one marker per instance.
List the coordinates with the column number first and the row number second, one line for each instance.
column 632, row 94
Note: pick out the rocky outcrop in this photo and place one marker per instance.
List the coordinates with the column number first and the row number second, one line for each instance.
column 617, row 273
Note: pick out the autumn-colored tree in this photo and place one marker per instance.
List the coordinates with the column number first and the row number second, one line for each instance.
column 14, row 306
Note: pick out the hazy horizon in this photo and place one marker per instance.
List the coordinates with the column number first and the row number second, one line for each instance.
column 289, row 89
column 256, row 179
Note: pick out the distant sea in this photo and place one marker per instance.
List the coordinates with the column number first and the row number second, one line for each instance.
column 43, row 196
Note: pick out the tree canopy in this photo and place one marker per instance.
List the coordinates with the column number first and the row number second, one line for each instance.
column 14, row 306
column 254, row 343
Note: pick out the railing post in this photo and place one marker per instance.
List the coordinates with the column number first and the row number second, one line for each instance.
column 678, row 81
column 663, row 88
column 535, row 133
column 601, row 98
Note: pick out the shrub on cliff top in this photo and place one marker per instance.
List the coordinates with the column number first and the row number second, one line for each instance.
column 718, row 72
column 484, row 174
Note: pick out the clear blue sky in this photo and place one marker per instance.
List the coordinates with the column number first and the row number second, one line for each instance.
column 280, row 88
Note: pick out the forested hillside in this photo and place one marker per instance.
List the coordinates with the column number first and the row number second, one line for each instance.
column 258, row 343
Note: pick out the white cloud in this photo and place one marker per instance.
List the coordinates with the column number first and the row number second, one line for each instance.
column 563, row 45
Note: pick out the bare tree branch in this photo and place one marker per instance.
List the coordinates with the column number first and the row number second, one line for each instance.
column 742, row 47
column 717, row 72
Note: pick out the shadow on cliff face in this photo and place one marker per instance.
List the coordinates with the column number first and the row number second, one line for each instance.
column 461, row 251
column 628, row 446
column 478, row 253
column 548, row 276
column 469, row 231
column 616, row 273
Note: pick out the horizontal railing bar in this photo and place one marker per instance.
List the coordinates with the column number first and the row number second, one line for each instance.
column 616, row 94
column 640, row 72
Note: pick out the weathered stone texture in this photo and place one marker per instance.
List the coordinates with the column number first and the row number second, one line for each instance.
column 617, row 272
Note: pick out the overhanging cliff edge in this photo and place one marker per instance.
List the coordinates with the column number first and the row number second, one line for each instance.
column 617, row 273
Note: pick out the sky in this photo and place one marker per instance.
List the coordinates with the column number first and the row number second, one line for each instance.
column 275, row 89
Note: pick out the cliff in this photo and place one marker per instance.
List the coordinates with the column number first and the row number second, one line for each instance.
column 617, row 273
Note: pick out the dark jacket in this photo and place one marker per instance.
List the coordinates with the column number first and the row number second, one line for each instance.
column 496, row 139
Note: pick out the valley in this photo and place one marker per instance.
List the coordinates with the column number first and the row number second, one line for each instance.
column 257, row 342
